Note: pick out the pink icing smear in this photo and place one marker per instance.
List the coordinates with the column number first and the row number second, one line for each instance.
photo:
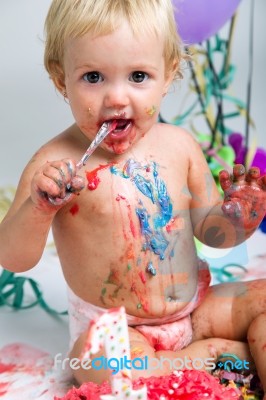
column 3, row 389
column 182, row 385
column 27, row 373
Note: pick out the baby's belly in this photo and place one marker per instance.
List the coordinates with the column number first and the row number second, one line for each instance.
column 152, row 296
column 151, row 304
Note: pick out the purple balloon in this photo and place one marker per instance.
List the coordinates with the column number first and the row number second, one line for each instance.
column 259, row 160
column 197, row 20
column 236, row 140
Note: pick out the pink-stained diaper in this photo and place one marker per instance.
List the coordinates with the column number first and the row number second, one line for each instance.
column 172, row 336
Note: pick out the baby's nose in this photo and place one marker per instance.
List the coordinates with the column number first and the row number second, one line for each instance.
column 116, row 96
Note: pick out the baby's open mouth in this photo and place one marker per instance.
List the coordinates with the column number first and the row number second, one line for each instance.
column 121, row 126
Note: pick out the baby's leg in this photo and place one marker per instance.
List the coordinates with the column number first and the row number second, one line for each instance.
column 160, row 362
column 84, row 374
column 257, row 345
column 235, row 311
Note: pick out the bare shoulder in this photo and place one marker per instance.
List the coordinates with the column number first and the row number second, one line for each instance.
column 59, row 147
column 178, row 139
column 175, row 132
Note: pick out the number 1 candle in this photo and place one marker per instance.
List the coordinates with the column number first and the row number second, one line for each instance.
column 110, row 332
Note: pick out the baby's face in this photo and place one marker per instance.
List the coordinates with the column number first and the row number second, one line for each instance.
column 115, row 77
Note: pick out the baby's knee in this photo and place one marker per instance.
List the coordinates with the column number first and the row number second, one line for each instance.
column 82, row 370
column 257, row 328
column 211, row 347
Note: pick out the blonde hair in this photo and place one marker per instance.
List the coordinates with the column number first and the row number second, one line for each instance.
column 74, row 18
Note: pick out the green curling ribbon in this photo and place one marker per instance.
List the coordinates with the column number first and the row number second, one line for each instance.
column 12, row 293
column 224, row 274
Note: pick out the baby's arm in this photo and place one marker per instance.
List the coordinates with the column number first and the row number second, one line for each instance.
column 24, row 230
column 218, row 222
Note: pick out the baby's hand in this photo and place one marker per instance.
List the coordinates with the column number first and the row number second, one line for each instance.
column 55, row 184
column 245, row 196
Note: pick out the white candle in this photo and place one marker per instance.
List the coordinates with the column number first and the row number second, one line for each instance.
column 110, row 331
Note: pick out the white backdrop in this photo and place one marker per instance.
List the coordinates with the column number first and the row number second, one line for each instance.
column 31, row 112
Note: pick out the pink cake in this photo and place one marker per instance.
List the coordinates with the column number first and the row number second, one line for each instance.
column 180, row 385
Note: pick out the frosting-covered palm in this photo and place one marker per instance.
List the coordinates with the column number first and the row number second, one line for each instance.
column 245, row 196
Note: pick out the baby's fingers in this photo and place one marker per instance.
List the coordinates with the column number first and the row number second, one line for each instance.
column 74, row 187
column 61, row 172
column 239, row 174
column 262, row 182
column 225, row 180
column 52, row 181
column 43, row 185
column 77, row 184
column 253, row 175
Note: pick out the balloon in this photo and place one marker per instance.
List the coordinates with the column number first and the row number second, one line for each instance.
column 236, row 140
column 197, row 20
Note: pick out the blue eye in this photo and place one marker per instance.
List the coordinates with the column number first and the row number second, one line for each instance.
column 93, row 77
column 138, row 76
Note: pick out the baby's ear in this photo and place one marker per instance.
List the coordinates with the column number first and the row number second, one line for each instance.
column 170, row 75
column 58, row 76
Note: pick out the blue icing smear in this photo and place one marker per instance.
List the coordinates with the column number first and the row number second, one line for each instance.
column 155, row 190
column 164, row 203
column 115, row 171
column 155, row 240
column 144, row 186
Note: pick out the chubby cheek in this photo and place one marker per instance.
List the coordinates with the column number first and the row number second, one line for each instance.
column 83, row 116
column 151, row 111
